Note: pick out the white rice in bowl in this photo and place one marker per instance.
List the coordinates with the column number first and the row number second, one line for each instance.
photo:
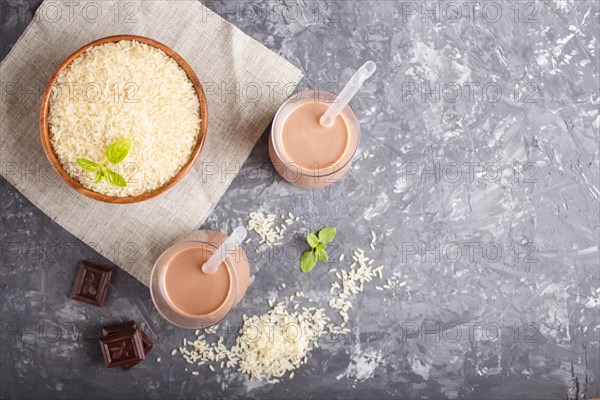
column 124, row 90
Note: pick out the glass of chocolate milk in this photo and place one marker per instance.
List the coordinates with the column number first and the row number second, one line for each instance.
column 304, row 152
column 190, row 298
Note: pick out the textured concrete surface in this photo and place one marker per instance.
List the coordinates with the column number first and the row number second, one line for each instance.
column 478, row 169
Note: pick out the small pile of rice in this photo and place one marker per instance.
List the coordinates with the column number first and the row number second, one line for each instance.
column 268, row 346
column 124, row 90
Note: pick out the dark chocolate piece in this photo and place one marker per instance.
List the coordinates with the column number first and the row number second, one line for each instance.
column 129, row 326
column 91, row 283
column 118, row 328
column 122, row 348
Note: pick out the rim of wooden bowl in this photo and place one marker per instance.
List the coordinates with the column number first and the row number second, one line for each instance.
column 45, row 132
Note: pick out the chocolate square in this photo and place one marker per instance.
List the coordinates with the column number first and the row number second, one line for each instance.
column 122, row 348
column 129, row 326
column 91, row 283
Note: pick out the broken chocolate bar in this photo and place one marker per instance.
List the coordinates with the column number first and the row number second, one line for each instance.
column 91, row 283
column 125, row 327
column 122, row 348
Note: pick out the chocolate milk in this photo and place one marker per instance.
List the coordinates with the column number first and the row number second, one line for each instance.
column 190, row 298
column 309, row 144
column 189, row 289
column 304, row 152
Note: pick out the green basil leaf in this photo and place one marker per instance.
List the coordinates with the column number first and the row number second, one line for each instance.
column 312, row 240
column 116, row 152
column 322, row 255
column 308, row 261
column 98, row 177
column 87, row 165
column 327, row 234
column 114, row 179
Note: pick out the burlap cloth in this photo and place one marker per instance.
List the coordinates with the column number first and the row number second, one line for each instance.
column 245, row 83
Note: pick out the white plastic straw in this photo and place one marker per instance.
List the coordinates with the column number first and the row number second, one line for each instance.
column 228, row 247
column 347, row 93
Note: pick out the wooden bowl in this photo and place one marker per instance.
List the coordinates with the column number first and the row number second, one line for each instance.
column 49, row 150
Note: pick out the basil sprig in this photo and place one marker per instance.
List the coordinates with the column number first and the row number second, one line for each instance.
column 115, row 153
column 318, row 244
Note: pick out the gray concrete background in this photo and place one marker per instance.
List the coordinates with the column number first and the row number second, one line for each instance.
column 495, row 268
